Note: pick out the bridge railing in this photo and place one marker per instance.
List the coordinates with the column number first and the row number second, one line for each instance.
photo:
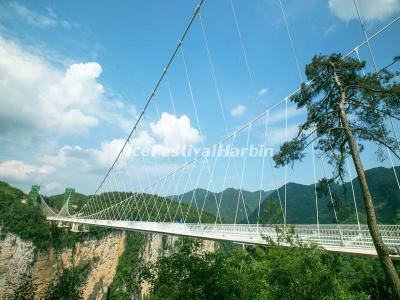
column 348, row 235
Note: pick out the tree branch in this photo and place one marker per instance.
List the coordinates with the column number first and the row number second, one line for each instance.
column 377, row 139
column 379, row 110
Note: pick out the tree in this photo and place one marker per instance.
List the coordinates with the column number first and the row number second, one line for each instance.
column 68, row 286
column 296, row 272
column 345, row 108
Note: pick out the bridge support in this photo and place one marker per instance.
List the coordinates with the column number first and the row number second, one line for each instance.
column 63, row 225
column 79, row 227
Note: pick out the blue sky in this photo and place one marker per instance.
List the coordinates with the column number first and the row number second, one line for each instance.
column 74, row 76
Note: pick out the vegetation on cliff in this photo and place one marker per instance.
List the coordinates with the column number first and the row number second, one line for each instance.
column 297, row 272
column 20, row 216
column 126, row 283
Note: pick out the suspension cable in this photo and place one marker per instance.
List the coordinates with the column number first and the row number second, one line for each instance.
column 198, row 7
column 291, row 41
column 235, row 132
column 242, row 43
column 315, row 185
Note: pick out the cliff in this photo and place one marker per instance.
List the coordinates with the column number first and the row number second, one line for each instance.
column 22, row 268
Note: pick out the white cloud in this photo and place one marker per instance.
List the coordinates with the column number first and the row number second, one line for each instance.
column 90, row 159
column 16, row 170
column 277, row 136
column 14, row 10
column 38, row 99
column 167, row 136
column 108, row 151
column 143, row 140
column 52, row 187
column 331, row 29
column 371, row 10
column 262, row 92
column 175, row 132
column 31, row 17
column 238, row 110
column 280, row 115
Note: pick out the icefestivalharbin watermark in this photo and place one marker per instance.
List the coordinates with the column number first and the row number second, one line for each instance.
column 216, row 151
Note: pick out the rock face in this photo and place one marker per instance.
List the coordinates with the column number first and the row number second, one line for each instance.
column 19, row 263
column 16, row 257
column 44, row 271
column 104, row 255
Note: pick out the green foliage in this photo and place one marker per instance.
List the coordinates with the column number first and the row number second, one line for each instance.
column 25, row 291
column 22, row 217
column 57, row 201
column 273, row 213
column 227, row 210
column 68, row 286
column 362, row 274
column 126, row 284
column 152, row 208
column 297, row 272
column 370, row 100
column 62, row 238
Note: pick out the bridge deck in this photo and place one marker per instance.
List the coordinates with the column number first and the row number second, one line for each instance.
column 346, row 238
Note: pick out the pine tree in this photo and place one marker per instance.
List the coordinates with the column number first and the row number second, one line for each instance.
column 345, row 108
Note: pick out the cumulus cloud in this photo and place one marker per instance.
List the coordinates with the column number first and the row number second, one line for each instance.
column 87, row 159
column 16, row 170
column 371, row 10
column 175, row 132
column 142, row 140
column 166, row 136
column 38, row 99
column 238, row 111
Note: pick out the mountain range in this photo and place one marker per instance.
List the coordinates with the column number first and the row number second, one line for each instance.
column 301, row 201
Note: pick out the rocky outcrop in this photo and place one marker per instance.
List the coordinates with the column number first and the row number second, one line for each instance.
column 44, row 272
column 103, row 255
column 19, row 264
column 16, row 258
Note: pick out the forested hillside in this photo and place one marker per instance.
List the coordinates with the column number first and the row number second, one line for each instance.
column 19, row 215
column 228, row 199
column 301, row 200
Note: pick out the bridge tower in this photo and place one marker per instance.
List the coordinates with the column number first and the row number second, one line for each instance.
column 69, row 196
column 69, row 192
column 34, row 194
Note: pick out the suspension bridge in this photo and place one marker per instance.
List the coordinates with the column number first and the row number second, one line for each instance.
column 129, row 198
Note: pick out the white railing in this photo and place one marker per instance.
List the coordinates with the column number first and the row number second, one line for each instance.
column 347, row 238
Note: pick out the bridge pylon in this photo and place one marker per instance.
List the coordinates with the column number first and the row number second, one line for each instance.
column 34, row 194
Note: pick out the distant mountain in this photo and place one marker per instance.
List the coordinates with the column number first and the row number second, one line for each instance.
column 228, row 199
column 301, row 200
